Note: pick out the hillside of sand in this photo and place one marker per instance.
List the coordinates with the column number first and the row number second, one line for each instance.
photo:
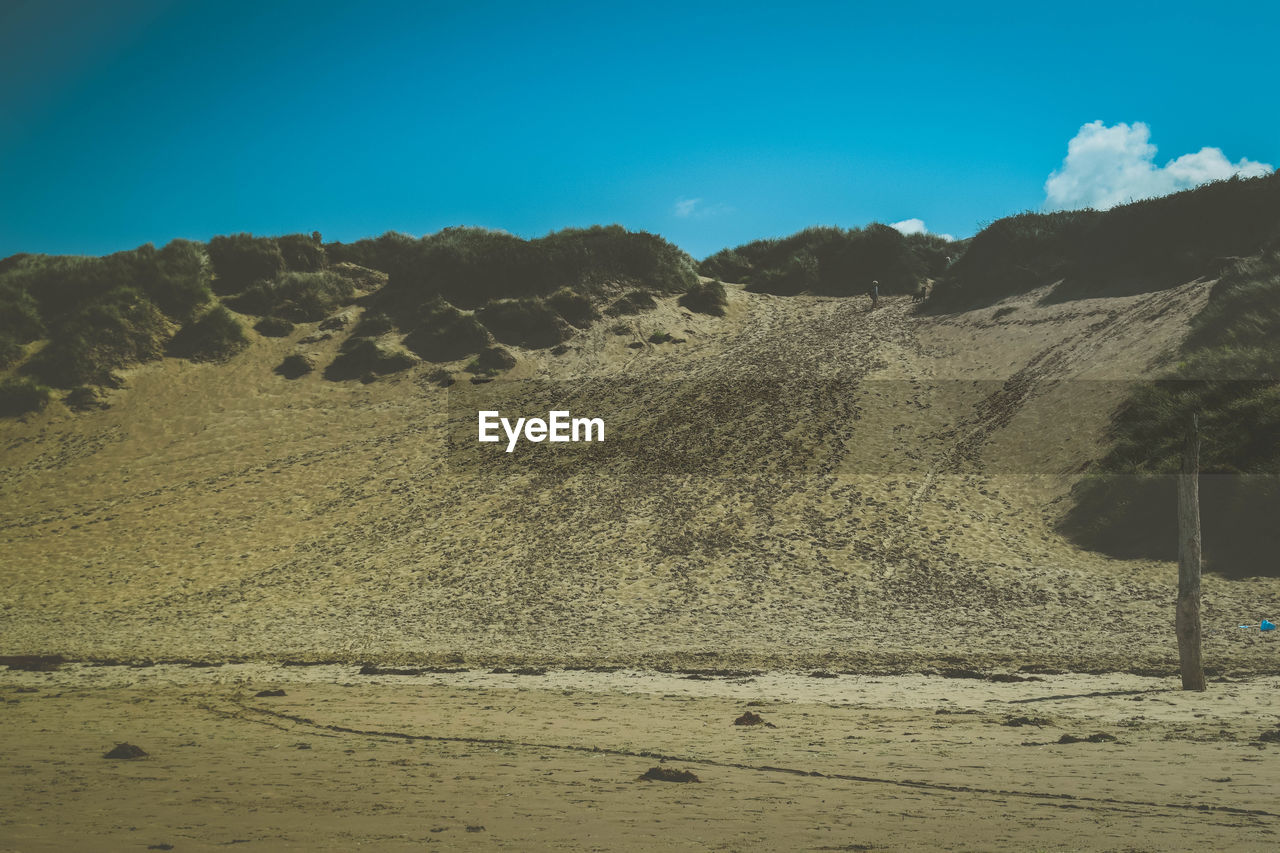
column 800, row 483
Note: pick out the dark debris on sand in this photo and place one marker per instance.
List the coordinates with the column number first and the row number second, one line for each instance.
column 33, row 663
column 709, row 674
column 750, row 718
column 126, row 751
column 995, row 677
column 261, row 693
column 667, row 774
column 1100, row 737
column 373, row 669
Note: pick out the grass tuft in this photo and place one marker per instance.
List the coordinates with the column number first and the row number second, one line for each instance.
column 524, row 322
column 216, row 336
column 20, row 395
column 706, row 298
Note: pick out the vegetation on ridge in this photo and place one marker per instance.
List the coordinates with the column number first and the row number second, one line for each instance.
column 833, row 261
column 529, row 293
column 1229, row 377
column 71, row 321
column 469, row 267
column 1142, row 246
column 102, row 314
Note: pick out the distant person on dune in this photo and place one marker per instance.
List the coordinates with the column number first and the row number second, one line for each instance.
column 874, row 293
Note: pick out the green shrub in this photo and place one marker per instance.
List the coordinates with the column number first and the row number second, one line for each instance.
column 1012, row 255
column 1133, row 248
column 182, row 286
column 441, row 378
column 706, row 298
column 298, row 296
column 372, row 324
column 575, row 308
column 302, row 252
column 491, row 361
column 730, row 264
column 85, row 398
column 12, row 262
column 465, row 266
column 796, row 274
column 37, row 288
column 362, row 278
column 1229, row 378
column 392, row 253
column 440, row 332
column 1244, row 307
column 601, row 257
column 632, row 303
column 933, row 254
column 10, row 350
column 240, row 260
column 175, row 278
column 216, row 336
column 660, row 337
column 118, row 329
column 295, row 365
column 19, row 395
column 361, row 356
column 273, row 327
column 470, row 267
column 19, row 314
column 38, row 293
column 834, row 261
column 523, row 322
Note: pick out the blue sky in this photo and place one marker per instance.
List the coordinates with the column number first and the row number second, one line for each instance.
column 710, row 123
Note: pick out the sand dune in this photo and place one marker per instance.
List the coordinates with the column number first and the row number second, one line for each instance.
column 801, row 483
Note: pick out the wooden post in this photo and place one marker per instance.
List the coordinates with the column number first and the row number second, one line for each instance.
column 1188, row 618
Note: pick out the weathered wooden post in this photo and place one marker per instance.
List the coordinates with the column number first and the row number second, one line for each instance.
column 1188, row 619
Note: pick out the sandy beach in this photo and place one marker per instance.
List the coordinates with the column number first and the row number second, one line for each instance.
column 479, row 761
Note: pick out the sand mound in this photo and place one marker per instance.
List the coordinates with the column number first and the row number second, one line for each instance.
column 750, row 718
column 126, row 751
column 668, row 774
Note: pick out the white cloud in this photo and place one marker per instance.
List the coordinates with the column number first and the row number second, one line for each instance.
column 695, row 208
column 915, row 226
column 686, row 206
column 1106, row 166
